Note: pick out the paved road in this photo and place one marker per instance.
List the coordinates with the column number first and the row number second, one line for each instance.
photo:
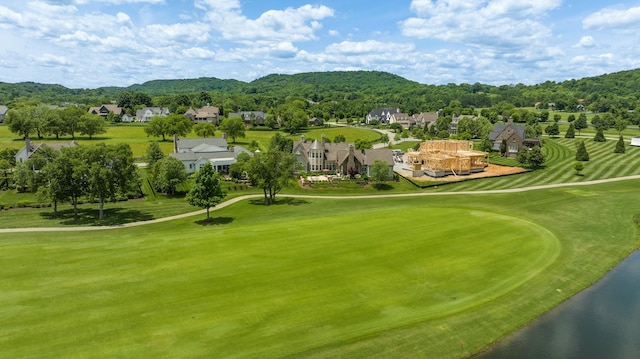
column 242, row 198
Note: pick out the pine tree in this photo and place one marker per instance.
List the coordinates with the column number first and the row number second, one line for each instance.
column 599, row 137
column 571, row 132
column 581, row 153
column 619, row 146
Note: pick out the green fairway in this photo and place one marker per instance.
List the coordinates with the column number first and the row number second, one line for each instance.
column 438, row 276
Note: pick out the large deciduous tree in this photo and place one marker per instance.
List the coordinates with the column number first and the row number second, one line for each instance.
column 91, row 124
column 233, row 127
column 156, row 127
column 207, row 190
column 205, row 129
column 167, row 174
column 380, row 171
column 19, row 122
column 580, row 123
column 271, row 171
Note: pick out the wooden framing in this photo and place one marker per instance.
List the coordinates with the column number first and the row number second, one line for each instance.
column 441, row 158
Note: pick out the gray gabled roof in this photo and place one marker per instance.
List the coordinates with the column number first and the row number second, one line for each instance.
column 187, row 144
column 3, row 109
column 382, row 154
column 500, row 128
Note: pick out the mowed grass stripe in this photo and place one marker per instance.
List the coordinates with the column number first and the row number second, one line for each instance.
column 559, row 167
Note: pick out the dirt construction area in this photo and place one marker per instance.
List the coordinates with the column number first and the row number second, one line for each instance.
column 490, row 171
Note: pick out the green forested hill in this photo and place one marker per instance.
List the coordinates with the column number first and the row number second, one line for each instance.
column 352, row 92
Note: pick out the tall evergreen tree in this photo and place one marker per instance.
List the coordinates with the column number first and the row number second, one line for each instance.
column 599, row 137
column 571, row 133
column 620, row 146
column 581, row 153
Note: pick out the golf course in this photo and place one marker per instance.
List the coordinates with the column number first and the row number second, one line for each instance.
column 442, row 275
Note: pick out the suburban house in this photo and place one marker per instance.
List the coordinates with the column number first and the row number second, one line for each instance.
column 104, row 110
column 30, row 148
column 250, row 117
column 3, row 112
column 403, row 119
column 147, row 113
column 514, row 135
column 195, row 152
column 341, row 158
column 127, row 118
column 382, row 115
column 426, row 118
column 207, row 113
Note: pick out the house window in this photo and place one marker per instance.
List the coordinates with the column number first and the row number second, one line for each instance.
column 513, row 147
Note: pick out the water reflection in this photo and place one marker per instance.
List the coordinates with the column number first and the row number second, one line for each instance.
column 601, row 322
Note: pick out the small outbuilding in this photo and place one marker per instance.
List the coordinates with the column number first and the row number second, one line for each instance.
column 635, row 141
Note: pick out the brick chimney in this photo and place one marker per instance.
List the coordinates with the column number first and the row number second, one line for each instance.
column 175, row 143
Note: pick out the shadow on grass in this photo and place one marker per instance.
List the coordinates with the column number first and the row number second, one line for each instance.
column 217, row 221
column 289, row 201
column 382, row 186
column 90, row 216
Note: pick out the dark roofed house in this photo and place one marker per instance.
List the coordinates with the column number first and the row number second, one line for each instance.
column 514, row 135
column 382, row 115
column 104, row 110
column 341, row 158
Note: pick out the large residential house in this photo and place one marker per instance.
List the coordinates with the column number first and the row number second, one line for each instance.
column 341, row 158
column 195, row 152
column 3, row 112
column 207, row 113
column 515, row 138
column 147, row 113
column 390, row 115
column 403, row 119
column 30, row 148
column 426, row 118
column 104, row 110
column 382, row 115
column 257, row 117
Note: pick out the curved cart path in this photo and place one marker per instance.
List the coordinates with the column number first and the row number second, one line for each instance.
column 242, row 198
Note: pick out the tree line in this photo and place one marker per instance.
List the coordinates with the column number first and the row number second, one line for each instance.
column 97, row 173
column 342, row 95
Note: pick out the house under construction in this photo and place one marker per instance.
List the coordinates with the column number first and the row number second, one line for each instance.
column 441, row 158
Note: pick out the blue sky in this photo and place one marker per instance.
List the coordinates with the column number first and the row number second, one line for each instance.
column 92, row 43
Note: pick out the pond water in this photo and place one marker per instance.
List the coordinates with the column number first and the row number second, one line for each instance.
column 603, row 321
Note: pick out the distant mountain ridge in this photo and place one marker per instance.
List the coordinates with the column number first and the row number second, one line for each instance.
column 376, row 87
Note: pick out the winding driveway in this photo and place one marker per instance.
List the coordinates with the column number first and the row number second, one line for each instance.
column 242, row 198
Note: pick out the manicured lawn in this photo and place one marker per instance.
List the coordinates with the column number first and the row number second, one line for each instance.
column 135, row 136
column 438, row 276
column 560, row 159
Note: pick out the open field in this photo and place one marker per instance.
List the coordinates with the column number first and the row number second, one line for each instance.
column 442, row 276
column 134, row 135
